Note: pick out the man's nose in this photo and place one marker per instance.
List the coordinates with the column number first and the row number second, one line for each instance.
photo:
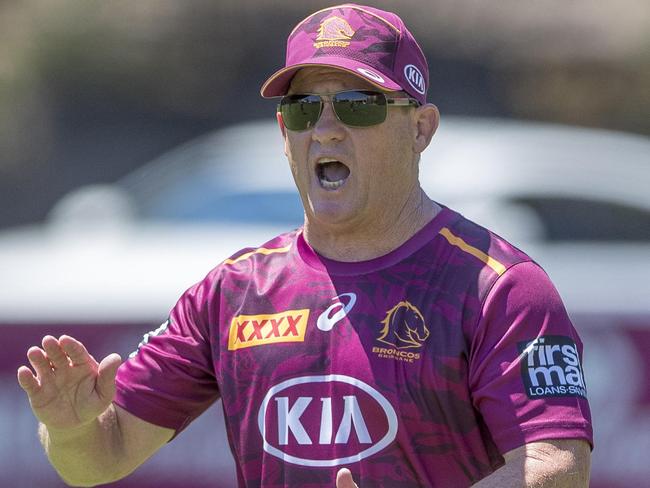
column 328, row 127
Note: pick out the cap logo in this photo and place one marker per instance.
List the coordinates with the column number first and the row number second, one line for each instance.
column 371, row 74
column 415, row 78
column 334, row 32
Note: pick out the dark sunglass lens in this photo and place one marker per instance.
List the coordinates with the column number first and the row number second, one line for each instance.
column 360, row 108
column 300, row 112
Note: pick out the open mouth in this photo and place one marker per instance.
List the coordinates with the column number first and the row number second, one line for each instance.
column 331, row 173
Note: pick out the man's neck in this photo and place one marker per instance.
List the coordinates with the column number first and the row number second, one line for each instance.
column 369, row 242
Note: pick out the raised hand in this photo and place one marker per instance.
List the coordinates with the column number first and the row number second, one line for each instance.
column 344, row 479
column 70, row 388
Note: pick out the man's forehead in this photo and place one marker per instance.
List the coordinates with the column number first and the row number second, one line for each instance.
column 312, row 75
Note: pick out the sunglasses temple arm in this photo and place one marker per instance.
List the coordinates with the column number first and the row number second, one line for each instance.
column 278, row 116
column 402, row 102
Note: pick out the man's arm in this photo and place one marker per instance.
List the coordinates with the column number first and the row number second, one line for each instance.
column 107, row 449
column 87, row 438
column 545, row 464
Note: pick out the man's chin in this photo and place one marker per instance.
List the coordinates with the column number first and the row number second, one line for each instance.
column 330, row 215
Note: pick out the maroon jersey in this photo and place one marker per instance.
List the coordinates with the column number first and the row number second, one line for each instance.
column 418, row 368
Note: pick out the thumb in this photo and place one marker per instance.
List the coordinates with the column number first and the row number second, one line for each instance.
column 106, row 375
column 344, row 479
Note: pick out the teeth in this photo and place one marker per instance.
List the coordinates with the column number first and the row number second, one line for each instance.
column 325, row 182
column 331, row 185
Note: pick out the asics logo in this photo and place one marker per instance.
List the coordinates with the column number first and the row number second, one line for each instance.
column 326, row 322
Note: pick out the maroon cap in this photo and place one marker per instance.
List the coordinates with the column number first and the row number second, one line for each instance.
column 370, row 43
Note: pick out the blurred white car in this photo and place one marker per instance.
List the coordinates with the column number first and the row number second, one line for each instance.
column 111, row 260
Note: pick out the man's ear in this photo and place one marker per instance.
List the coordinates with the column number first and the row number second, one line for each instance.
column 427, row 119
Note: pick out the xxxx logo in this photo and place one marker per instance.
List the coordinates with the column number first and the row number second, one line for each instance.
column 257, row 330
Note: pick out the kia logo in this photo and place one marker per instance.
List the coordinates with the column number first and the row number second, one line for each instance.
column 324, row 421
column 415, row 78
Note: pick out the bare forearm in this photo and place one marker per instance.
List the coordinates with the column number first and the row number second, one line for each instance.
column 88, row 455
column 88, row 439
column 513, row 476
column 542, row 465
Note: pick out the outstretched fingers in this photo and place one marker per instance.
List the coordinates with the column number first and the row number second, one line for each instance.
column 54, row 352
column 106, row 376
column 40, row 363
column 27, row 380
column 66, row 387
column 74, row 350
column 54, row 356
column 33, row 382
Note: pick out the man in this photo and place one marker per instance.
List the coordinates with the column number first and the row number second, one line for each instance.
column 389, row 341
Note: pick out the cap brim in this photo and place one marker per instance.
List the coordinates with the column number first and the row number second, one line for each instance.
column 278, row 83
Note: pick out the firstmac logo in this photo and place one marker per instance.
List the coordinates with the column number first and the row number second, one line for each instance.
column 325, row 421
column 550, row 366
column 257, row 330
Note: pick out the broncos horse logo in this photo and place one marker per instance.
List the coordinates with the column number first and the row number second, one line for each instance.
column 334, row 29
column 404, row 327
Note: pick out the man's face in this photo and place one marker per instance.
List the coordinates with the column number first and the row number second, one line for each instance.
column 351, row 177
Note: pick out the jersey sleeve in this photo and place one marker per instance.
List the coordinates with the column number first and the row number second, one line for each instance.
column 526, row 363
column 170, row 379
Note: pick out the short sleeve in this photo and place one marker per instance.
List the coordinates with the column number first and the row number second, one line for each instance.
column 170, row 380
column 526, row 373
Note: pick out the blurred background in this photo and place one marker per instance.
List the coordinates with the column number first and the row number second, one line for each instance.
column 91, row 91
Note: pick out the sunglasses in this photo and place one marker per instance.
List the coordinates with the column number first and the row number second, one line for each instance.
column 355, row 108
